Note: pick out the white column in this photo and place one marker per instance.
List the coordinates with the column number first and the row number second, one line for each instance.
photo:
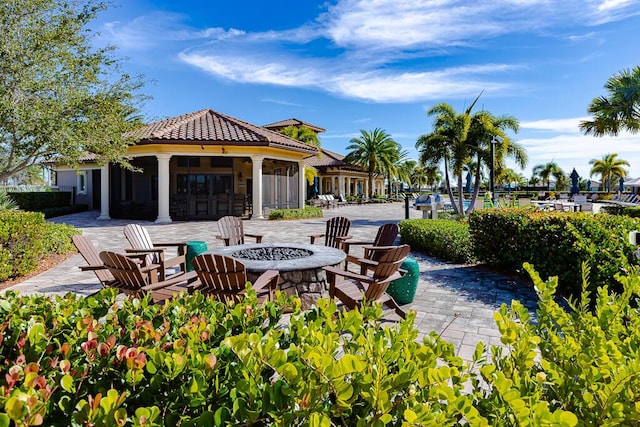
column 163, row 188
column 341, row 189
column 105, row 192
column 257, row 185
column 302, row 185
column 348, row 190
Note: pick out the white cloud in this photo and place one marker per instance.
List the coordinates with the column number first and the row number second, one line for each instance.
column 575, row 151
column 556, row 125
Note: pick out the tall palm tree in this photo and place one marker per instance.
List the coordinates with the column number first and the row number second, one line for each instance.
column 609, row 168
column 448, row 143
column 374, row 151
column 547, row 171
column 484, row 128
column 619, row 110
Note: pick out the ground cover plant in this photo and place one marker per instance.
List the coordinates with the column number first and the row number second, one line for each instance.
column 26, row 238
column 194, row 361
column 557, row 244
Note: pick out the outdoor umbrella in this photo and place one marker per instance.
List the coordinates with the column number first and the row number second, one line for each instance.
column 575, row 188
column 467, row 185
column 621, row 184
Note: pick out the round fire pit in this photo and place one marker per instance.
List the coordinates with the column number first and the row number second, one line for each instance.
column 300, row 265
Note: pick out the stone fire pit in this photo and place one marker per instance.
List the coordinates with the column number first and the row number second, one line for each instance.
column 300, row 266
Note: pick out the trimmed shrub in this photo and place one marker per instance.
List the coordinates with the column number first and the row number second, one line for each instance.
column 441, row 238
column 65, row 210
column 306, row 212
column 26, row 238
column 555, row 243
column 37, row 201
column 632, row 211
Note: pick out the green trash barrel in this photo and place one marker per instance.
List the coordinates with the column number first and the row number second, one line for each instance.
column 403, row 290
column 194, row 248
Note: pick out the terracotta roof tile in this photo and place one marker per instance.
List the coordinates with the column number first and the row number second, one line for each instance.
column 327, row 158
column 213, row 127
column 293, row 122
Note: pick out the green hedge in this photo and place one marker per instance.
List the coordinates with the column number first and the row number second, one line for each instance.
column 73, row 361
column 37, row 201
column 65, row 210
column 26, row 238
column 446, row 239
column 555, row 243
column 632, row 211
column 306, row 212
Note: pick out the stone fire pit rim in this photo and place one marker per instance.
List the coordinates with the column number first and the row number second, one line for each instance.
column 321, row 256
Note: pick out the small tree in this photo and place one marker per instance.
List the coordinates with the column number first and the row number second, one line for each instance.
column 58, row 96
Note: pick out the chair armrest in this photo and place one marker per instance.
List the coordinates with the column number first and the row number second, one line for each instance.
column 316, row 236
column 258, row 237
column 268, row 280
column 171, row 244
column 144, row 251
column 182, row 278
column 368, row 250
column 93, row 267
column 226, row 239
column 347, row 274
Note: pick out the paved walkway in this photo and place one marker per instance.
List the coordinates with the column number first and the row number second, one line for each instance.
column 457, row 301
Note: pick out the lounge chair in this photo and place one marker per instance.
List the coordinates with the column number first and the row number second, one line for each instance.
column 352, row 288
column 95, row 264
column 140, row 241
column 138, row 279
column 232, row 231
column 337, row 231
column 226, row 278
column 385, row 236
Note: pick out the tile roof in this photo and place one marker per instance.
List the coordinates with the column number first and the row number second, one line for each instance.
column 208, row 126
column 293, row 122
column 330, row 159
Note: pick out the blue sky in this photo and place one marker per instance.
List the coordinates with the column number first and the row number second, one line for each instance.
column 347, row 65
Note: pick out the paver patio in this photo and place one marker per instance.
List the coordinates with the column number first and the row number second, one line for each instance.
column 457, row 301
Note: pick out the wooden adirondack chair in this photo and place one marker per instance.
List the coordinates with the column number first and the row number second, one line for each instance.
column 385, row 237
column 95, row 264
column 135, row 278
column 140, row 241
column 336, row 233
column 232, row 231
column 352, row 288
column 226, row 278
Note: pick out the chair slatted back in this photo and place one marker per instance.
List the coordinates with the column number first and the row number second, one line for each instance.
column 139, row 238
column 220, row 274
column 336, row 227
column 388, row 264
column 386, row 236
column 125, row 270
column 231, row 228
column 92, row 257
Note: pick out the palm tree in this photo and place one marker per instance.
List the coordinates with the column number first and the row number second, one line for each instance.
column 448, row 143
column 302, row 134
column 419, row 177
column 374, row 151
column 609, row 168
column 484, row 128
column 619, row 110
column 548, row 170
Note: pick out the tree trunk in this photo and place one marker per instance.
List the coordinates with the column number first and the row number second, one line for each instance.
column 446, row 177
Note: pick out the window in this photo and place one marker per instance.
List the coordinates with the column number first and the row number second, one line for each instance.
column 81, row 182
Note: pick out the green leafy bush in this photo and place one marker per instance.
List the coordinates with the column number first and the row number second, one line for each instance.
column 37, row 201
column 195, row 361
column 632, row 211
column 441, row 238
column 584, row 360
column 306, row 212
column 65, row 210
column 26, row 238
column 555, row 243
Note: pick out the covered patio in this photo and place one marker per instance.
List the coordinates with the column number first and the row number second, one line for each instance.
column 201, row 165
